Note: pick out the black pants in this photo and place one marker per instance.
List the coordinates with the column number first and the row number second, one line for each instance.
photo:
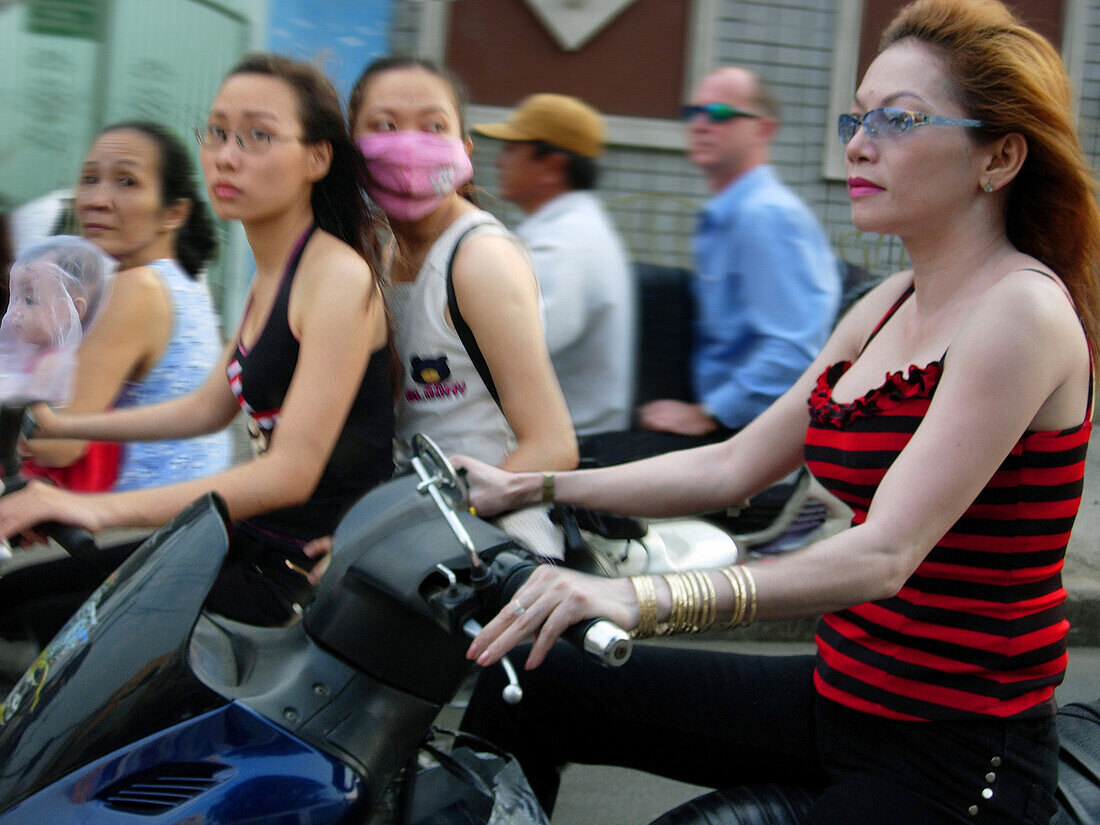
column 723, row 719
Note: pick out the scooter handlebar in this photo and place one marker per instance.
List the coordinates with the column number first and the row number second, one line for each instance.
column 600, row 638
column 78, row 542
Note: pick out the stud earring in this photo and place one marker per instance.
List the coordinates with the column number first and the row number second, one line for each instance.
column 988, row 186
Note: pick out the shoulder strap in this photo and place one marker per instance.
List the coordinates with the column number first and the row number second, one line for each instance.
column 1088, row 403
column 293, row 261
column 890, row 314
column 462, row 328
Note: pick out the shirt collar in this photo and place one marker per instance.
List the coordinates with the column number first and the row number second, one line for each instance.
column 724, row 203
column 564, row 202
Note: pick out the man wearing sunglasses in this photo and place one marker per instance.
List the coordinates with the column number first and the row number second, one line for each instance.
column 547, row 167
column 766, row 284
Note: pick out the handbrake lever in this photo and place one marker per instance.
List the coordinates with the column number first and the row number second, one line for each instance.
column 512, row 693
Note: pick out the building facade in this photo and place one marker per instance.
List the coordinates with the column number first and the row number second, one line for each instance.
column 809, row 51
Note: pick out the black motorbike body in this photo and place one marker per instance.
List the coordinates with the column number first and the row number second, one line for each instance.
column 147, row 706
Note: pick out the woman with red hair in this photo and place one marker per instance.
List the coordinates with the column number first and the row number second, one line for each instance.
column 943, row 630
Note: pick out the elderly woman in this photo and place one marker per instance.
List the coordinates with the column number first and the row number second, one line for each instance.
column 158, row 336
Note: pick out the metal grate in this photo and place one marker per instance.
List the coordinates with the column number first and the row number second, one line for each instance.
column 158, row 790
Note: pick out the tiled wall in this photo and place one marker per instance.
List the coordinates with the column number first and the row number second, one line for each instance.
column 654, row 193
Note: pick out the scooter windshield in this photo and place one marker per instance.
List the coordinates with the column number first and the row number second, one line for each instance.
column 118, row 671
column 57, row 290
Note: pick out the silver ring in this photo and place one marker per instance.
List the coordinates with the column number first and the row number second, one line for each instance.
column 517, row 608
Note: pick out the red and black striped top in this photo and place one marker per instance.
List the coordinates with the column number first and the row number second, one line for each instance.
column 979, row 629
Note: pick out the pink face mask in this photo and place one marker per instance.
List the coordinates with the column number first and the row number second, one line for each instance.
column 411, row 172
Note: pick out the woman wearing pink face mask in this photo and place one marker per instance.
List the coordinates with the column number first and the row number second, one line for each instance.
column 406, row 115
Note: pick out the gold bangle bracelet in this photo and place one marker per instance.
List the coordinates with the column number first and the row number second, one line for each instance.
column 676, row 617
column 740, row 572
column 647, row 606
column 750, row 616
column 706, row 600
column 664, row 628
column 677, row 604
column 692, row 602
column 691, row 625
column 711, row 599
column 737, row 609
column 700, row 602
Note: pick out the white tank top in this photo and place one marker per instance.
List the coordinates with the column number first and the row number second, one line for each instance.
column 442, row 394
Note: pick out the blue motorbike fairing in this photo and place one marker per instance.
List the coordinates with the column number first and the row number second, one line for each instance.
column 118, row 671
column 216, row 768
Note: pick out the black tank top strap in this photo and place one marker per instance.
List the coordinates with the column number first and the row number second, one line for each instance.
column 282, row 297
column 1088, row 403
column 889, row 314
column 259, row 376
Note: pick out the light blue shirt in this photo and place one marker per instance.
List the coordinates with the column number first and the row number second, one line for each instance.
column 192, row 352
column 766, row 290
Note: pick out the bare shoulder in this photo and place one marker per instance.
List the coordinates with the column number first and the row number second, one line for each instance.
column 878, row 300
column 141, row 283
column 492, row 261
column 1038, row 305
column 139, row 300
column 330, row 264
column 1026, row 321
column 860, row 321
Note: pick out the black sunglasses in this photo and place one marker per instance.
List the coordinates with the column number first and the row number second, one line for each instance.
column 715, row 112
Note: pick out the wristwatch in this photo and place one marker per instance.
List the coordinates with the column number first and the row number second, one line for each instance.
column 29, row 425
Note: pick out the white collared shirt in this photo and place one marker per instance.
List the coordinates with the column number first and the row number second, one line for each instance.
column 587, row 287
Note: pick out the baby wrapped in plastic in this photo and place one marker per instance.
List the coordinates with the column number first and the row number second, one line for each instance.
column 57, row 289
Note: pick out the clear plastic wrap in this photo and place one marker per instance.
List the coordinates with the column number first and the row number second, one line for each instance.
column 58, row 288
column 472, row 784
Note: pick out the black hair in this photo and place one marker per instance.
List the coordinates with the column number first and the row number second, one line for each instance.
column 581, row 172
column 386, row 64
column 196, row 241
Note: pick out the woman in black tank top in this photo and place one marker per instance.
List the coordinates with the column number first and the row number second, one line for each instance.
column 309, row 363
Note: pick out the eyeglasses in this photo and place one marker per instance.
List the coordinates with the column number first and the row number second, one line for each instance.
column 888, row 122
column 715, row 112
column 251, row 141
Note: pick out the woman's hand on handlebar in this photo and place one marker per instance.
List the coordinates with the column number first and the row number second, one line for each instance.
column 42, row 420
column 39, row 421
column 320, row 549
column 489, row 486
column 552, row 600
column 36, row 503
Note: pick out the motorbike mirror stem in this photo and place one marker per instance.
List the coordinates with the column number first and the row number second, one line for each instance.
column 430, row 482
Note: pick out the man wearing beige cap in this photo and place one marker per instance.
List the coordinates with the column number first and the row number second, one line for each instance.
column 547, row 168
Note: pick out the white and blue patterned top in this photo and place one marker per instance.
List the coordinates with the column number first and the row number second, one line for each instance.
column 192, row 352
